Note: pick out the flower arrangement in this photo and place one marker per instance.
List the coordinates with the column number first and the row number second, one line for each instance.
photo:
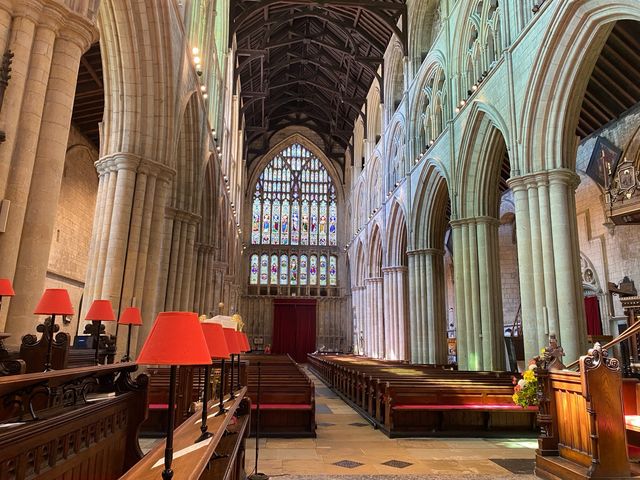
column 525, row 392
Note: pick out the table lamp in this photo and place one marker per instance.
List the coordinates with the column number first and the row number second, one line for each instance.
column 100, row 311
column 54, row 301
column 217, row 345
column 6, row 290
column 234, row 348
column 130, row 316
column 175, row 339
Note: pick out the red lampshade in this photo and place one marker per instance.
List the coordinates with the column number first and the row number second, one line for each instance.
column 175, row 339
column 245, row 341
column 6, row 290
column 54, row 301
column 232, row 343
column 101, row 310
column 131, row 316
column 216, row 341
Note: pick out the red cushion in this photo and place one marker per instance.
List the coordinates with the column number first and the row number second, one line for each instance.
column 464, row 407
column 158, row 406
column 282, row 406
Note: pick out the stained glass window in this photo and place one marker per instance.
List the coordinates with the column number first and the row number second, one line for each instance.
column 333, row 218
column 255, row 222
column 284, row 269
column 293, row 270
column 294, row 200
column 294, row 205
column 333, row 271
column 313, row 270
column 303, row 269
column 274, row 269
column 284, row 223
column 264, row 270
column 323, row 270
column 295, row 223
column 275, row 223
column 253, row 278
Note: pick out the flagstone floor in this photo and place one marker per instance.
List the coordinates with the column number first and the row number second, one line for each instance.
column 348, row 448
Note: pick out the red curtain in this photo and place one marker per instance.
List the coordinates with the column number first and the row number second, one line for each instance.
column 294, row 327
column 592, row 312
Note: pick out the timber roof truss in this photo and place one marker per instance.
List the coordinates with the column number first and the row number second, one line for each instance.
column 310, row 63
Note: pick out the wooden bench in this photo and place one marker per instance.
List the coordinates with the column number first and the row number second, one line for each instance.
column 424, row 400
column 222, row 457
column 582, row 421
column 85, row 427
column 186, row 395
column 287, row 397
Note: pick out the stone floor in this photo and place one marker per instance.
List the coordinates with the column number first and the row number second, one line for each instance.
column 348, row 448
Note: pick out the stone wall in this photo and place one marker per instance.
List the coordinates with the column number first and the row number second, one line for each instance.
column 74, row 220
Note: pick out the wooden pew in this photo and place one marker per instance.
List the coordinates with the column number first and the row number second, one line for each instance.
column 86, row 425
column 222, row 457
column 186, row 395
column 287, row 397
column 582, row 422
column 422, row 400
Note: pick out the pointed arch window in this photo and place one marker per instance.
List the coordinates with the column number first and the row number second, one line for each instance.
column 294, row 200
column 294, row 225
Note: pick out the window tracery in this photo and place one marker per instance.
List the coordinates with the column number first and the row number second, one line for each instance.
column 294, row 209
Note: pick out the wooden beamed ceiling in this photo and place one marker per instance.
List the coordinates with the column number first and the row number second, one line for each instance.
column 88, row 106
column 310, row 64
column 614, row 86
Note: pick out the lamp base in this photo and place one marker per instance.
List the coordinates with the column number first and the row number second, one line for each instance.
column 258, row 476
column 204, row 436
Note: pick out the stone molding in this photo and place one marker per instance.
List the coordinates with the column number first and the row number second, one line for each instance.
column 395, row 269
column 182, row 215
column 426, row 251
column 134, row 162
column 559, row 176
column 474, row 221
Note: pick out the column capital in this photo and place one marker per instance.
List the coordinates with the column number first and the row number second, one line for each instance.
column 545, row 177
column 183, row 215
column 79, row 30
column 31, row 9
column 394, row 269
column 151, row 167
column 474, row 221
column 426, row 251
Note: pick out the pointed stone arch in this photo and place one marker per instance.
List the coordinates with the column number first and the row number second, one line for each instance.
column 566, row 57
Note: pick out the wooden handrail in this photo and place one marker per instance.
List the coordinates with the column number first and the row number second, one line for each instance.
column 56, row 378
column 628, row 333
column 189, row 466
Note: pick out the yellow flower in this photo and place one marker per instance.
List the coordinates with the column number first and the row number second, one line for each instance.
column 529, row 376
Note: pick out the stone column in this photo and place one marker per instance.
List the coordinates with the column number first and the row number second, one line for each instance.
column 389, row 312
column 551, row 293
column 401, row 338
column 426, row 268
column 380, row 318
column 478, row 295
column 180, row 253
column 44, row 191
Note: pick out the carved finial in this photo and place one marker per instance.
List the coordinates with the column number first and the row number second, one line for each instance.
column 552, row 355
column 221, row 307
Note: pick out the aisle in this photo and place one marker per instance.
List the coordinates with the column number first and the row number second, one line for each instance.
column 347, row 447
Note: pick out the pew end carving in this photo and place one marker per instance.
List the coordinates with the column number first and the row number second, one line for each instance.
column 581, row 419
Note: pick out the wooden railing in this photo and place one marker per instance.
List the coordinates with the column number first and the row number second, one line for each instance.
column 73, row 423
column 220, row 457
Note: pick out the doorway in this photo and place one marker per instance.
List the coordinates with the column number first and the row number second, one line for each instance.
column 294, row 327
